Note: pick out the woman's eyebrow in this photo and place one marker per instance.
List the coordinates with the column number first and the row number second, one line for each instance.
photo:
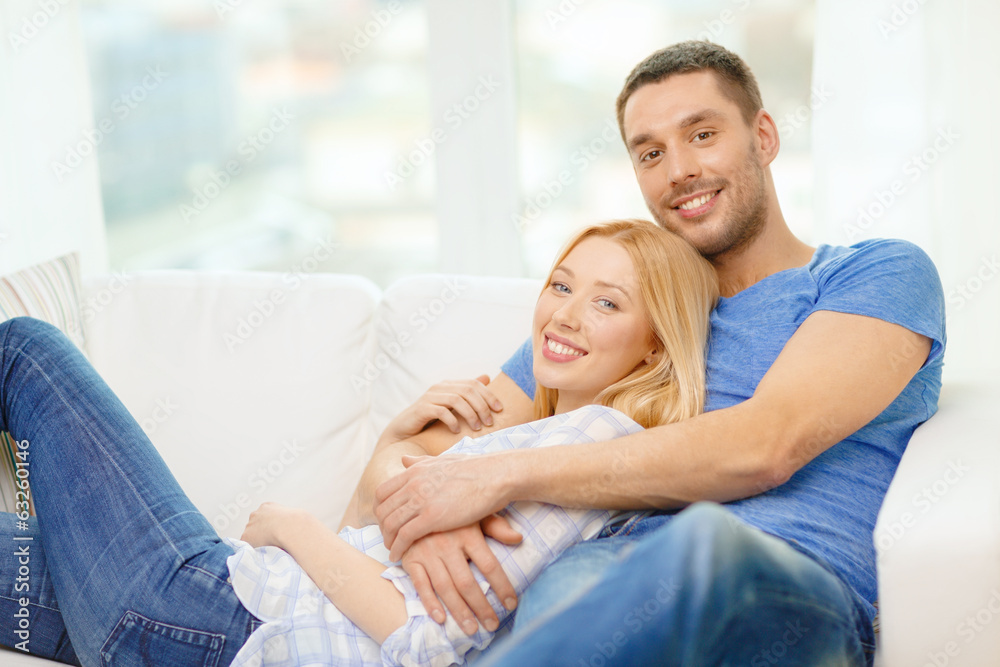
column 602, row 283
column 564, row 270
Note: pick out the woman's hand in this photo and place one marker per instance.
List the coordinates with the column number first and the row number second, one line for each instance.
column 447, row 402
column 438, row 564
column 271, row 524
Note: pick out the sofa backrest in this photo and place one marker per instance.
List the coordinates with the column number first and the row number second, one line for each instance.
column 430, row 328
column 242, row 381
column 262, row 386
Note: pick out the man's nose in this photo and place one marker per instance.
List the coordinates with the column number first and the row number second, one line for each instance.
column 683, row 165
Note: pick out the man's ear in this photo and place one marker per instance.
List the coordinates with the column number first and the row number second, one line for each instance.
column 766, row 137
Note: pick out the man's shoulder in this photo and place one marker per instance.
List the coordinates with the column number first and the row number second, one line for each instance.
column 870, row 251
column 875, row 264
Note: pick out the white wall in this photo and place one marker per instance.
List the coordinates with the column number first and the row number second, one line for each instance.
column 44, row 111
column 907, row 147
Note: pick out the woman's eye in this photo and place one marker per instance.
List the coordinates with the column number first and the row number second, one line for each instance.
column 606, row 303
column 560, row 287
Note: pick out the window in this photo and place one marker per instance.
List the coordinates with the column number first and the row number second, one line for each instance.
column 248, row 135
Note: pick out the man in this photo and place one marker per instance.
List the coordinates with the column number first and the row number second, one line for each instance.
column 821, row 363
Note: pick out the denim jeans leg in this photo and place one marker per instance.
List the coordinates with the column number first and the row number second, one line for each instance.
column 27, row 596
column 574, row 572
column 702, row 590
column 126, row 551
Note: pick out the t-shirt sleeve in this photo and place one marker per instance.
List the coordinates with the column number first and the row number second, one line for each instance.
column 891, row 280
column 519, row 368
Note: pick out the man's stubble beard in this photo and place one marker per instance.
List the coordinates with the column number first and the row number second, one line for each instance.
column 744, row 222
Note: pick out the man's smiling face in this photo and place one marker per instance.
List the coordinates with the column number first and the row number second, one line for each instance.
column 697, row 162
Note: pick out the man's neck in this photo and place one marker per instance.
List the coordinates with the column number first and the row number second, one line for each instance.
column 774, row 250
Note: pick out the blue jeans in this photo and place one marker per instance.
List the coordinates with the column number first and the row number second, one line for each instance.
column 119, row 568
column 702, row 590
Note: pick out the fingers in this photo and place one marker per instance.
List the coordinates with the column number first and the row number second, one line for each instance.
column 487, row 562
column 389, row 523
column 401, row 507
column 472, row 400
column 444, row 585
column 439, row 568
column 472, row 595
column 409, row 533
column 482, row 399
column 386, row 489
column 422, row 583
column 500, row 529
column 469, row 406
column 444, row 415
column 390, row 510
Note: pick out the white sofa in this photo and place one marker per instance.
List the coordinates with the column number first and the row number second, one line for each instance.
column 262, row 387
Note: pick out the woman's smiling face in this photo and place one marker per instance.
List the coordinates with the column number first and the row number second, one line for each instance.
column 590, row 326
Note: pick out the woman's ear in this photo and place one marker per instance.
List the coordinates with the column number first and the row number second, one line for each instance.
column 650, row 357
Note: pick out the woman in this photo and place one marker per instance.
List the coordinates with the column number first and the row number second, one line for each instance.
column 142, row 578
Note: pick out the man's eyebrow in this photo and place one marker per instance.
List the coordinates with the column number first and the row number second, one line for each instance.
column 699, row 116
column 638, row 140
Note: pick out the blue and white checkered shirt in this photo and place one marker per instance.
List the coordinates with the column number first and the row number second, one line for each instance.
column 302, row 627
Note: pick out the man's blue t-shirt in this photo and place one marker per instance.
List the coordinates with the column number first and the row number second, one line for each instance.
column 829, row 507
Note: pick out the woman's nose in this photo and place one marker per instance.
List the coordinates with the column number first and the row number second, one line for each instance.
column 568, row 315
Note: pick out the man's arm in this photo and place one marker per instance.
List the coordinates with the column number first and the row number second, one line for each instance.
column 836, row 373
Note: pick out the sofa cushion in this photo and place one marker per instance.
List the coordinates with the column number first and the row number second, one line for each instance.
column 430, row 328
column 242, row 382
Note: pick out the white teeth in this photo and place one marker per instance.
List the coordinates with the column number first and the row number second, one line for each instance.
column 695, row 203
column 559, row 348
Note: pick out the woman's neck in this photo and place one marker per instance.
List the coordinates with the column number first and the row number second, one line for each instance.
column 567, row 402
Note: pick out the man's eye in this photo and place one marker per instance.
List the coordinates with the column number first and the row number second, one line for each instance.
column 702, row 136
column 651, row 155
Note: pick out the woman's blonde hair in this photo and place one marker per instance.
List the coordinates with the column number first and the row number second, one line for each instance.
column 679, row 289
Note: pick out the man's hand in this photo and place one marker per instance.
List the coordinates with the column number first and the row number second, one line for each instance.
column 436, row 494
column 438, row 564
column 447, row 402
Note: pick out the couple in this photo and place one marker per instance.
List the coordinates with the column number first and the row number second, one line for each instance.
column 820, row 363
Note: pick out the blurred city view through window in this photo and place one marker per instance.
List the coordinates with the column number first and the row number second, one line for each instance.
column 264, row 136
column 249, row 134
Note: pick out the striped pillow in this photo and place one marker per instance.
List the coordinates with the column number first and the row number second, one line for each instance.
column 49, row 291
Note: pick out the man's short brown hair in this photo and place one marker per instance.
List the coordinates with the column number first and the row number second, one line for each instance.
column 735, row 79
